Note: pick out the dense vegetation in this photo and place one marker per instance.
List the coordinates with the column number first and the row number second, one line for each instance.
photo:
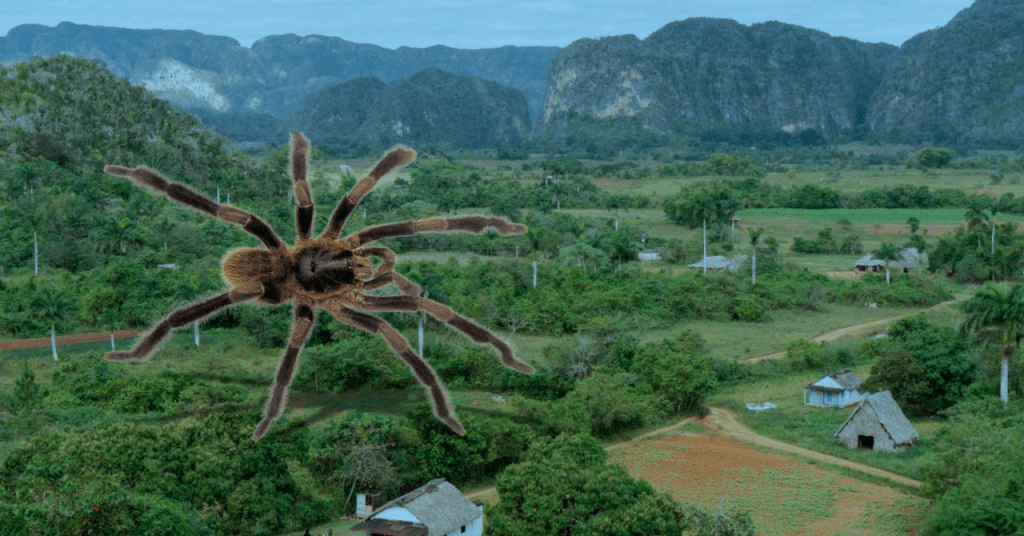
column 98, row 447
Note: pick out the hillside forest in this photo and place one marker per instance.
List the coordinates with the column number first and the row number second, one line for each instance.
column 620, row 345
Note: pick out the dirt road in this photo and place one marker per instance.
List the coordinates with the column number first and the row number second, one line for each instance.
column 44, row 342
column 724, row 422
column 866, row 327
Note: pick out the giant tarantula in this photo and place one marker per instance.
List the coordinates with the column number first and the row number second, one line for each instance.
column 324, row 273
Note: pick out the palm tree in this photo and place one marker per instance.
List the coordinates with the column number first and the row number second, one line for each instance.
column 52, row 306
column 703, row 207
column 996, row 318
column 755, row 240
column 888, row 253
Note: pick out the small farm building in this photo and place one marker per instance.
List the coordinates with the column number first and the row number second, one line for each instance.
column 436, row 509
column 909, row 258
column 836, row 390
column 718, row 262
column 877, row 423
column 650, row 255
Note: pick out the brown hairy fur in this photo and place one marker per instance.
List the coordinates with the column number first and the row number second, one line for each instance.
column 325, row 273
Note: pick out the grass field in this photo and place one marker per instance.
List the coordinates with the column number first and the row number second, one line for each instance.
column 784, row 496
column 812, row 427
column 846, row 180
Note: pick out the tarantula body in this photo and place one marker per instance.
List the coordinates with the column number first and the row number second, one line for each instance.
column 324, row 273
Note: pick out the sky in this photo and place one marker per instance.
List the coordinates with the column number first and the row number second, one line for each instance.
column 482, row 23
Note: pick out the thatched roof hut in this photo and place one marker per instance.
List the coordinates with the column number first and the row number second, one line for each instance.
column 877, row 423
column 909, row 258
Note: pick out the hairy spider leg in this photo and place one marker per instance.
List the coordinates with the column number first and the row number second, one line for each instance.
column 396, row 158
column 301, row 327
column 471, row 224
column 424, row 373
column 303, row 195
column 442, row 312
column 386, row 271
column 184, row 195
column 185, row 316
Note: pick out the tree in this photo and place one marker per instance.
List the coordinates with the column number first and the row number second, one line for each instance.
column 995, row 318
column 926, row 366
column 888, row 253
column 934, row 157
column 677, row 369
column 27, row 393
column 914, row 224
column 52, row 306
column 564, row 486
column 755, row 240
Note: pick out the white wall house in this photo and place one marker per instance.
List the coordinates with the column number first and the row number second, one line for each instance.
column 436, row 509
column 835, row 390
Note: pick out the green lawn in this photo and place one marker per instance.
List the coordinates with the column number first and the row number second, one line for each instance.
column 813, row 427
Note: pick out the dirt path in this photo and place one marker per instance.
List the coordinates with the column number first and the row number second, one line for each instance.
column 725, row 422
column 44, row 342
column 848, row 331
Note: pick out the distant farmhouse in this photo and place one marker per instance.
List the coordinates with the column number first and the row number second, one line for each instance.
column 718, row 262
column 909, row 258
column 836, row 390
column 877, row 424
column 436, row 509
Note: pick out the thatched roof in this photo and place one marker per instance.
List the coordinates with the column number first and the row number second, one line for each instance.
column 844, row 380
column 438, row 505
column 889, row 415
column 909, row 258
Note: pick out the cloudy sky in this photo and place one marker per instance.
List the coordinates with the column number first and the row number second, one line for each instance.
column 482, row 23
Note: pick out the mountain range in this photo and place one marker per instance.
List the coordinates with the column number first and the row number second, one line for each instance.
column 716, row 79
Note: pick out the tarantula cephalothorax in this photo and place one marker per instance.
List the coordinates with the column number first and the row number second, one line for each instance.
column 324, row 273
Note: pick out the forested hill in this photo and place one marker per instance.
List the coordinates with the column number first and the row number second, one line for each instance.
column 61, row 120
column 717, row 76
column 962, row 83
column 74, row 113
column 709, row 79
column 217, row 77
column 431, row 106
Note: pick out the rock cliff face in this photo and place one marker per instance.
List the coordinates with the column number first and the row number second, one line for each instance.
column 430, row 106
column 703, row 75
column 240, row 88
column 962, row 83
column 717, row 79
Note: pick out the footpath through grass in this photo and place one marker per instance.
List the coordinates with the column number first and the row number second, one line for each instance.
column 812, row 427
